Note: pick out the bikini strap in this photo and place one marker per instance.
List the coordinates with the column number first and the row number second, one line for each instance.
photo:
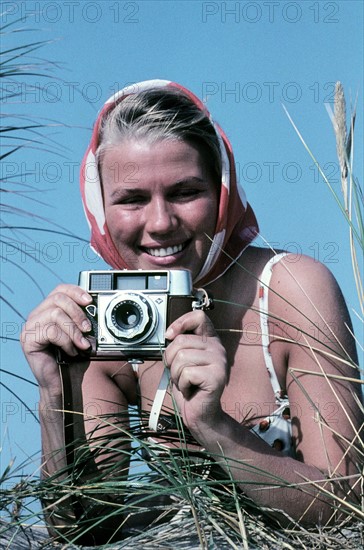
column 264, row 317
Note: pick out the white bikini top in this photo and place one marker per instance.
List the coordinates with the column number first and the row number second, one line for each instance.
column 275, row 429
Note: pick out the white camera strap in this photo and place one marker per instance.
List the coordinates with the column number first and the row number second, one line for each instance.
column 155, row 412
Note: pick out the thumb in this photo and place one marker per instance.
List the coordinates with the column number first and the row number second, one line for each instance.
column 195, row 322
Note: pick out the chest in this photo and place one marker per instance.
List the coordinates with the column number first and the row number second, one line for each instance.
column 249, row 393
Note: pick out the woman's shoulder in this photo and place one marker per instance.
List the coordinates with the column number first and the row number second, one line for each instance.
column 303, row 289
column 290, row 275
column 288, row 266
column 301, row 272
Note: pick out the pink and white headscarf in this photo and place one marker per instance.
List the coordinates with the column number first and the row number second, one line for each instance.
column 236, row 225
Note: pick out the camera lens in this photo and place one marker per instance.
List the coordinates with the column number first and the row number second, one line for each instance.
column 131, row 317
column 127, row 316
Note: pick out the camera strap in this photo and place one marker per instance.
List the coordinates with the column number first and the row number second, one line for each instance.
column 155, row 423
column 72, row 374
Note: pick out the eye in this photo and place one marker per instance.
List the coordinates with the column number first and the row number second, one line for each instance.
column 186, row 193
column 132, row 200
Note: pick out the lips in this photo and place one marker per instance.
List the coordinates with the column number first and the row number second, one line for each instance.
column 162, row 252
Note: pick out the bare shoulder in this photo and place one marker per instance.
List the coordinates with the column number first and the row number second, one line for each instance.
column 313, row 319
column 301, row 268
column 297, row 278
column 311, row 311
column 306, row 282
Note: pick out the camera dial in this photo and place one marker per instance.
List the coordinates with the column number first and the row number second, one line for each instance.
column 131, row 317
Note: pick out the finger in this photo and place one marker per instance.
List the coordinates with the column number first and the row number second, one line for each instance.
column 199, row 373
column 193, row 321
column 54, row 327
column 190, row 381
column 183, row 342
column 67, row 302
column 74, row 292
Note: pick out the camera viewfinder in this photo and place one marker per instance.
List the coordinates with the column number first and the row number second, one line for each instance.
column 157, row 282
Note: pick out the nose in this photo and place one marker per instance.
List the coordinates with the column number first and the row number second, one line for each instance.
column 160, row 217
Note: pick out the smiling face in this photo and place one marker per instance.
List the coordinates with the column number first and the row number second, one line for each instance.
column 160, row 203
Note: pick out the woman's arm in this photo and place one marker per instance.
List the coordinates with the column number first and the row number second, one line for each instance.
column 101, row 388
column 59, row 321
column 313, row 304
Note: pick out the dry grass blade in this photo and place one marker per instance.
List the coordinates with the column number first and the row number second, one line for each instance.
column 350, row 190
column 341, row 138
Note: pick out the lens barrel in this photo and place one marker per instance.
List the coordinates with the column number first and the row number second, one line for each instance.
column 131, row 317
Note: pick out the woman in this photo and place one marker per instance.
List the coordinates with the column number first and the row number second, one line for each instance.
column 159, row 191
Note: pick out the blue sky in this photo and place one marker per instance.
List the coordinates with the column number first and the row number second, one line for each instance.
column 246, row 60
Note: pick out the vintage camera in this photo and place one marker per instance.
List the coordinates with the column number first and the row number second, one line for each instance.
column 131, row 310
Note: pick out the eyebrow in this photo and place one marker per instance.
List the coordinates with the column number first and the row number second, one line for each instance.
column 126, row 191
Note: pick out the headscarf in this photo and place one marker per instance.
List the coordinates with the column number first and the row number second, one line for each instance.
column 236, row 225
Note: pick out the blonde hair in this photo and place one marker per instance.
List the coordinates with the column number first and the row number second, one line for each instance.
column 157, row 115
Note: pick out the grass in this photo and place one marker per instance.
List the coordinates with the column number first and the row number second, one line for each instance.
column 208, row 509
column 211, row 513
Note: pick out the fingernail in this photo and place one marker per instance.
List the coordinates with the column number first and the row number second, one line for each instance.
column 86, row 298
column 85, row 342
column 86, row 325
column 168, row 334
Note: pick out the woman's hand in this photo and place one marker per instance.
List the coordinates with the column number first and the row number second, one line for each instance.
column 199, row 370
column 58, row 321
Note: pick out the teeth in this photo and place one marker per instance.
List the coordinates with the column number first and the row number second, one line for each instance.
column 162, row 252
